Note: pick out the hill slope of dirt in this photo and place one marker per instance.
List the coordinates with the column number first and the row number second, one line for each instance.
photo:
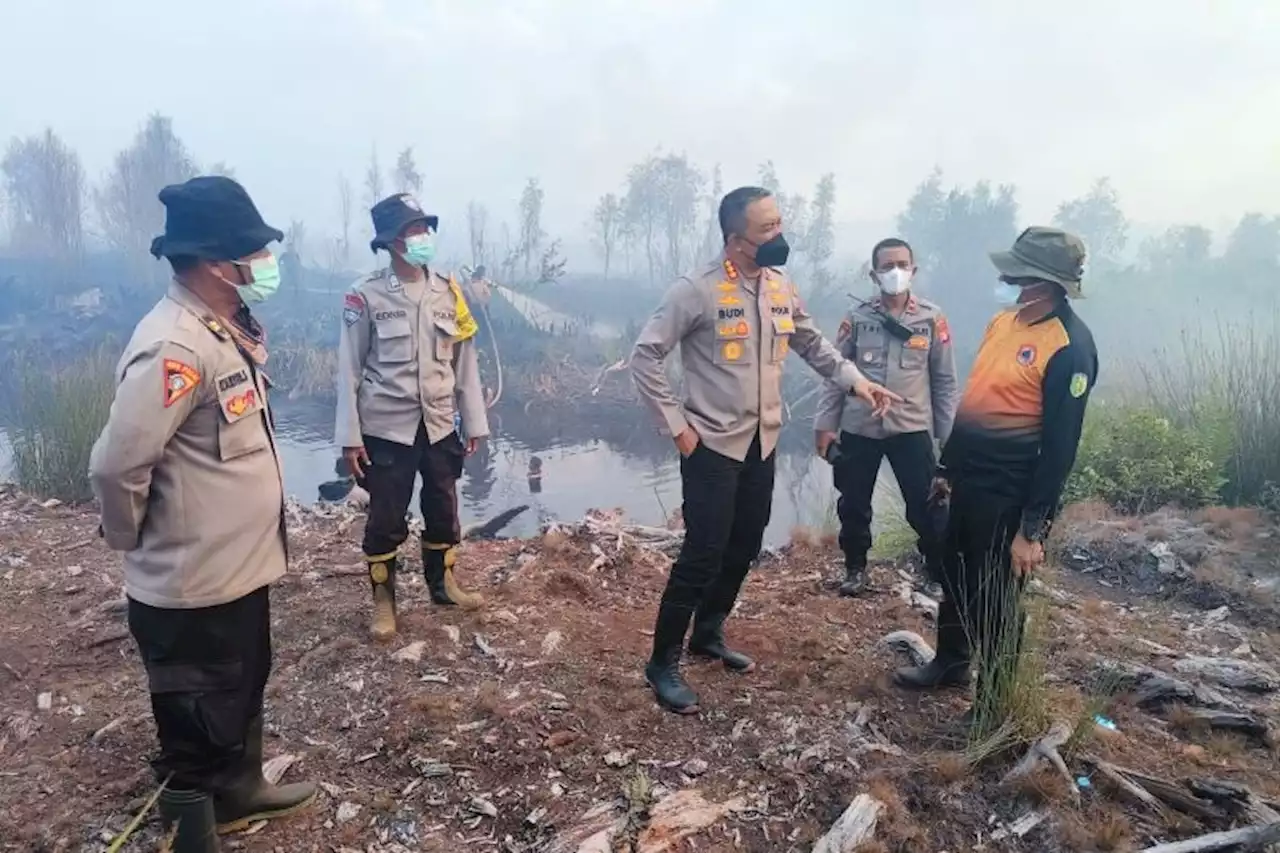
column 527, row 726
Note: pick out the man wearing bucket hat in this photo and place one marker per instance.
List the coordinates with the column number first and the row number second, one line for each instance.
column 187, row 477
column 1013, row 444
column 408, row 378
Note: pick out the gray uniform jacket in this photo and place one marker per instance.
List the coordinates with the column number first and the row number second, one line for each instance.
column 734, row 336
column 186, row 471
column 407, row 353
column 921, row 370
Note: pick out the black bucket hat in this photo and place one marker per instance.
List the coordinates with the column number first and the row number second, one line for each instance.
column 395, row 213
column 211, row 217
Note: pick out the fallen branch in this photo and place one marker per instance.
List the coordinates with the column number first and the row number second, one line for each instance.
column 1248, row 838
column 1173, row 795
column 855, row 827
column 1231, row 721
column 1239, row 674
column 1047, row 749
column 1153, row 687
column 1135, row 792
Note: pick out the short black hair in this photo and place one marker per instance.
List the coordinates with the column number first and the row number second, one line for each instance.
column 183, row 264
column 733, row 209
column 891, row 243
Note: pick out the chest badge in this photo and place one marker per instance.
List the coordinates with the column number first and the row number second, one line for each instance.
column 732, row 351
column 868, row 357
column 917, row 342
column 1026, row 355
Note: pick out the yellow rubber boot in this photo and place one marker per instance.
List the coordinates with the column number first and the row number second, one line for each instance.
column 437, row 567
column 382, row 577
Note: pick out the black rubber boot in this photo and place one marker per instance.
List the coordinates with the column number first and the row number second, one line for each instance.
column 189, row 816
column 663, row 671
column 855, row 581
column 708, row 642
column 250, row 797
column 933, row 675
column 437, row 569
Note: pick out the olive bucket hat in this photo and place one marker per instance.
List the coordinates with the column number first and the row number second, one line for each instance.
column 1049, row 254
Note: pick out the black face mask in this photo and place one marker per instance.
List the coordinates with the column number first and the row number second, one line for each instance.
column 773, row 253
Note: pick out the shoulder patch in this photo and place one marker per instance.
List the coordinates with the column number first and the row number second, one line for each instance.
column 943, row 329
column 1079, row 385
column 180, row 379
column 353, row 306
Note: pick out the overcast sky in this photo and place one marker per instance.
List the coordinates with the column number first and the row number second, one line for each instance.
column 1177, row 100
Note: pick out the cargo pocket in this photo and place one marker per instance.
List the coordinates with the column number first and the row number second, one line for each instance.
column 445, row 332
column 395, row 341
column 199, row 706
column 241, row 438
column 915, row 350
column 783, row 327
column 870, row 352
column 733, row 346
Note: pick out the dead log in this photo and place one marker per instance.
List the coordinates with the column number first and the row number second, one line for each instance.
column 1175, row 796
column 1047, row 749
column 1238, row 800
column 1253, row 676
column 1151, row 687
column 1130, row 789
column 1231, row 721
column 916, row 647
column 670, row 820
column 1248, row 838
column 855, row 827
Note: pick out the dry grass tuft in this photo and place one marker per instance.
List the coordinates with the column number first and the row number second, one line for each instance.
column 950, row 767
column 1098, row 829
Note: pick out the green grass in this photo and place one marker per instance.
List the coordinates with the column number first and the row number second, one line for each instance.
column 58, row 416
column 1198, row 424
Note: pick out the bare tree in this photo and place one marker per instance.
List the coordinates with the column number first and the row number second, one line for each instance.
column 551, row 264
column 820, row 238
column 342, row 249
column 128, row 202
column 295, row 239
column 477, row 223
column 662, row 211
column 373, row 179
column 406, row 177
column 712, row 239
column 44, row 192
column 606, row 221
column 531, row 233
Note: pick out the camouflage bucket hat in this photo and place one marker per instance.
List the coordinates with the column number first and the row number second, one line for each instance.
column 1050, row 254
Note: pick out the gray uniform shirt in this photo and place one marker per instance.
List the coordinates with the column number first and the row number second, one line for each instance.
column 921, row 370
column 407, row 354
column 734, row 335
column 185, row 471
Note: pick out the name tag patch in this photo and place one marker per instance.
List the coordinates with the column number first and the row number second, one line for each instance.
column 237, row 398
column 917, row 342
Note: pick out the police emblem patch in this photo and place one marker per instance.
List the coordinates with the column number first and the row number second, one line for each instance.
column 732, row 351
column 179, row 381
column 1079, row 385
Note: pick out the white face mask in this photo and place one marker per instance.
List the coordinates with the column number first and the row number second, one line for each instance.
column 894, row 281
column 1007, row 294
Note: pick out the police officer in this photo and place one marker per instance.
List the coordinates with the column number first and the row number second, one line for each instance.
column 734, row 321
column 901, row 340
column 187, row 477
column 1013, row 445
column 407, row 375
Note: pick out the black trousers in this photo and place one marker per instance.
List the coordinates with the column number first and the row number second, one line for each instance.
column 389, row 480
column 912, row 459
column 980, row 613
column 726, row 509
column 207, row 668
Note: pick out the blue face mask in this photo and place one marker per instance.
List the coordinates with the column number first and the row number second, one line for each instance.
column 1007, row 294
column 265, row 280
column 420, row 249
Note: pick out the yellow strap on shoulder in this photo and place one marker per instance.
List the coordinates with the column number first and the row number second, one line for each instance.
column 467, row 326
